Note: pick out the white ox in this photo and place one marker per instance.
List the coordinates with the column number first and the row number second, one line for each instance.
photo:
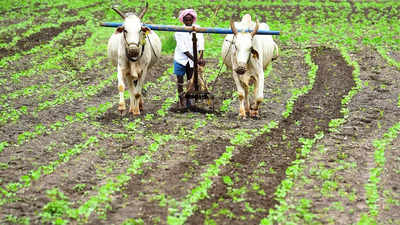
column 133, row 48
column 248, row 54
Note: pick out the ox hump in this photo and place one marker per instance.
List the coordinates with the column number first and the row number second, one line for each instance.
column 246, row 20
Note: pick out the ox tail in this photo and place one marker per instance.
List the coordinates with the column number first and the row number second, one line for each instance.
column 276, row 52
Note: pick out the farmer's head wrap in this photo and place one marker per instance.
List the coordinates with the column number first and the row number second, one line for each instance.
column 185, row 12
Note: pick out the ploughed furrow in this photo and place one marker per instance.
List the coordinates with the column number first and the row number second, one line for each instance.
column 242, row 198
column 389, row 192
column 336, row 176
column 42, row 37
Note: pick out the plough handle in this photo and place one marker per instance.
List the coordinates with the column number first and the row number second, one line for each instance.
column 194, row 39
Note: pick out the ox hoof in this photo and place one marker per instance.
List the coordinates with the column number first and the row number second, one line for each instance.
column 134, row 112
column 121, row 106
column 242, row 117
column 254, row 114
column 121, row 110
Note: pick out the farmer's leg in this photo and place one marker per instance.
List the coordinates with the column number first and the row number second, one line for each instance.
column 189, row 74
column 179, row 71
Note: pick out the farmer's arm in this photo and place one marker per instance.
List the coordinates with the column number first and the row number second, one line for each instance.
column 189, row 55
column 200, row 48
column 201, row 61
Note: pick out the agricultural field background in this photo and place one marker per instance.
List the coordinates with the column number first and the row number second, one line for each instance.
column 325, row 150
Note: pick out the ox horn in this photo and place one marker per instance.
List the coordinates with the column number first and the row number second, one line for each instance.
column 255, row 29
column 119, row 12
column 144, row 10
column 233, row 28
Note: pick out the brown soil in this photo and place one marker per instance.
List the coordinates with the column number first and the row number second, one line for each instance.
column 176, row 167
column 42, row 37
column 313, row 111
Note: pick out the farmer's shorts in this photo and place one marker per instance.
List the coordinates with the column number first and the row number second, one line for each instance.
column 179, row 69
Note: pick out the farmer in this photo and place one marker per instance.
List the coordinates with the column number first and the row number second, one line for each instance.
column 183, row 56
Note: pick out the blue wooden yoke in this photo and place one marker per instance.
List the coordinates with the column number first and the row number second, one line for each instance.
column 171, row 28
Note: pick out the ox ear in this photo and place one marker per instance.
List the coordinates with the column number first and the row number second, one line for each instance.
column 145, row 29
column 254, row 53
column 120, row 29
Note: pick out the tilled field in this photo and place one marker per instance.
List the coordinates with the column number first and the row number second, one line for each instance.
column 323, row 151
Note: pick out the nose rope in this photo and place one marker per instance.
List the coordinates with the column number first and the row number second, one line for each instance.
column 128, row 44
column 235, row 53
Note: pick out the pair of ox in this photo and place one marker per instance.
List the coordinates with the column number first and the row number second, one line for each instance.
column 245, row 53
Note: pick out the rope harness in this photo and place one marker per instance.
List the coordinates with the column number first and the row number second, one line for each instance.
column 142, row 42
column 220, row 68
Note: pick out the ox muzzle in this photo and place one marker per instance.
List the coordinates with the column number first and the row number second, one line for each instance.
column 241, row 68
column 133, row 50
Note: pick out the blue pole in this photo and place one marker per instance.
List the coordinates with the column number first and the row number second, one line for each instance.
column 213, row 30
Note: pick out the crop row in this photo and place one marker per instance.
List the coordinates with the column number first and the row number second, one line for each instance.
column 162, row 80
column 86, row 14
column 63, row 96
column 296, row 169
column 91, row 112
column 60, row 95
column 238, row 193
column 46, row 68
column 90, row 205
column 102, row 197
column 188, row 205
column 180, row 210
column 41, row 11
column 10, row 189
column 303, row 205
column 371, row 187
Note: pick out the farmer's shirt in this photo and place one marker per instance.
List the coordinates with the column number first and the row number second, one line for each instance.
column 184, row 44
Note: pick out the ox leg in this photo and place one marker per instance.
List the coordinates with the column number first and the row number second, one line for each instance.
column 141, row 103
column 258, row 93
column 131, row 89
column 247, row 100
column 241, row 92
column 138, row 106
column 179, row 86
column 121, row 89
